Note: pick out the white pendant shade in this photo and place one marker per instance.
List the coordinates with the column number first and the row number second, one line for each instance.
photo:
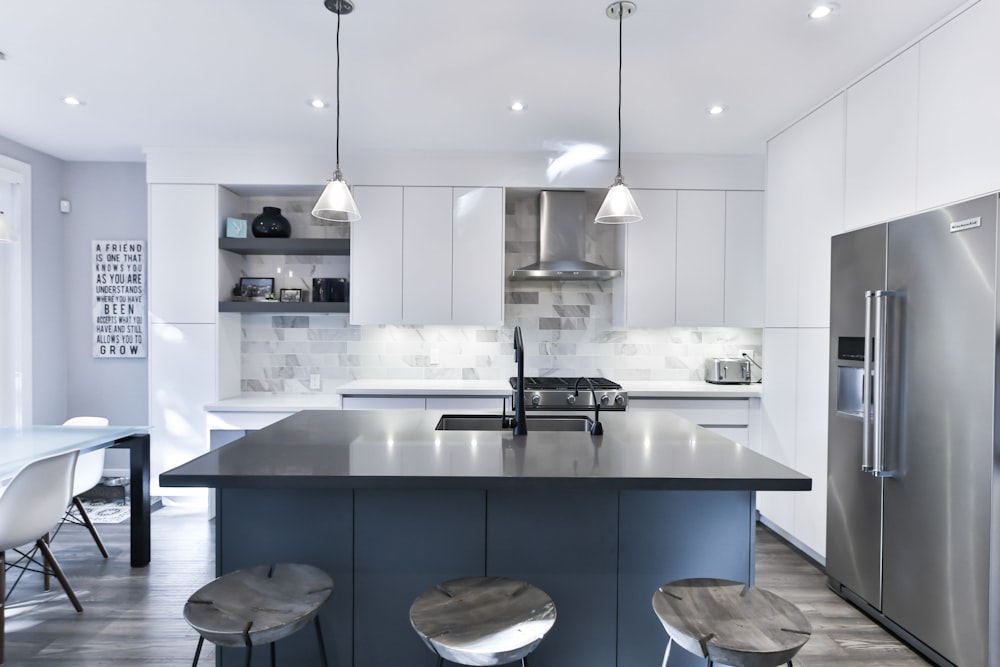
column 6, row 230
column 619, row 206
column 336, row 203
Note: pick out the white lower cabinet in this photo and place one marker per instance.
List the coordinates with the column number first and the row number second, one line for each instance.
column 732, row 418
column 778, row 405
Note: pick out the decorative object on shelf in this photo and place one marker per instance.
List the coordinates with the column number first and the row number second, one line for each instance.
column 256, row 288
column 236, row 228
column 271, row 224
column 291, row 295
column 619, row 205
column 330, row 289
column 336, row 203
column 6, row 230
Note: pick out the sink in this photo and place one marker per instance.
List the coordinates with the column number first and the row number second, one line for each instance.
column 498, row 423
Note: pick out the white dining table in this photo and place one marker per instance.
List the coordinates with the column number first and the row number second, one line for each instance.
column 22, row 445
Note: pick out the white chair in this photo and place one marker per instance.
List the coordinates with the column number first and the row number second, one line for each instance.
column 31, row 504
column 89, row 469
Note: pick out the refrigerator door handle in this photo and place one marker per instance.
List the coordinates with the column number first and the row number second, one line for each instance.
column 880, row 297
column 866, row 387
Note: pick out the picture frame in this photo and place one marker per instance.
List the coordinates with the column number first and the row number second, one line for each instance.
column 256, row 288
column 236, row 228
column 290, row 295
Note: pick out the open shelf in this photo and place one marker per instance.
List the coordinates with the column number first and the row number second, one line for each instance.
column 277, row 307
column 265, row 246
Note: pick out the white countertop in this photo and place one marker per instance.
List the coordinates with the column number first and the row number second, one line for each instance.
column 260, row 402
column 689, row 389
column 425, row 388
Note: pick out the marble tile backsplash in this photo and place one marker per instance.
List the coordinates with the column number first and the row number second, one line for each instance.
column 566, row 327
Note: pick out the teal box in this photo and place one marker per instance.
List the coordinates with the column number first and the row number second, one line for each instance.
column 236, row 228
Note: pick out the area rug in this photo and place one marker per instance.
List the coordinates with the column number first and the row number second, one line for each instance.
column 113, row 511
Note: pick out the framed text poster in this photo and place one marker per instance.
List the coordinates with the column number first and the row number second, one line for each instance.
column 119, row 299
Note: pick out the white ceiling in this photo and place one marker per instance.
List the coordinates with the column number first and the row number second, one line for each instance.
column 237, row 74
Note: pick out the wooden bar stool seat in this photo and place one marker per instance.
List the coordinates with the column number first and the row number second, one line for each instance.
column 259, row 605
column 482, row 620
column 730, row 623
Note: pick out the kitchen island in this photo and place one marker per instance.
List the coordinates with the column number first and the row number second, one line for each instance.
column 390, row 506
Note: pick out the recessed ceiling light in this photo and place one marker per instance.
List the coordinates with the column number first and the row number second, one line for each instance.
column 517, row 106
column 318, row 104
column 823, row 11
column 72, row 101
column 716, row 109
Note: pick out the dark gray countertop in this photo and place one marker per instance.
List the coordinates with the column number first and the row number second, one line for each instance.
column 400, row 449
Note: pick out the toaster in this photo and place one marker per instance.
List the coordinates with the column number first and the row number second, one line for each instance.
column 727, row 371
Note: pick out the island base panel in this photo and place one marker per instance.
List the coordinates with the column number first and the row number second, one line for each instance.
column 311, row 526
column 599, row 554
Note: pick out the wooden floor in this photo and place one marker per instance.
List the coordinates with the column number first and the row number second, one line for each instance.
column 132, row 617
column 842, row 635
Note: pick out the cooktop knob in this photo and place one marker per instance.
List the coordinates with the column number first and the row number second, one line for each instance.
column 605, row 399
column 571, row 399
column 536, row 399
column 619, row 400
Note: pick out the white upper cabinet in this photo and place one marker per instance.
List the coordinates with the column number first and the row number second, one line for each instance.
column 427, row 253
column 805, row 207
column 645, row 295
column 744, row 259
column 477, row 256
column 701, row 258
column 959, row 135
column 183, row 240
column 377, row 256
column 881, row 175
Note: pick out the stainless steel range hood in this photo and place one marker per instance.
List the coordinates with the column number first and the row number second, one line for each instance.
column 561, row 237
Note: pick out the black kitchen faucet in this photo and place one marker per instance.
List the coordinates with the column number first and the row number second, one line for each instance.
column 520, row 420
column 596, row 429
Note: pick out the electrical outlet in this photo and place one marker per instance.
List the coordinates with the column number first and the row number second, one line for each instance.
column 435, row 356
column 748, row 353
column 315, row 381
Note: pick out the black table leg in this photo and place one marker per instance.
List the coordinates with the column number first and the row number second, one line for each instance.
column 138, row 446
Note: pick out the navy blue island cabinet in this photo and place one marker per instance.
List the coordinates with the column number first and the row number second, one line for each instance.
column 390, row 506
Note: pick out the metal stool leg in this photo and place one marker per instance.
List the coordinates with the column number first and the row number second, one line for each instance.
column 319, row 638
column 272, row 654
column 249, row 654
column 197, row 651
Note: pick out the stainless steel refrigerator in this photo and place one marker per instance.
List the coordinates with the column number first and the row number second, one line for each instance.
column 913, row 504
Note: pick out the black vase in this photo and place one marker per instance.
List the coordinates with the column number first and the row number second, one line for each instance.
column 271, row 224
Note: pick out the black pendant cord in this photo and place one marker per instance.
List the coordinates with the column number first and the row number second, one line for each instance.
column 621, row 19
column 338, row 91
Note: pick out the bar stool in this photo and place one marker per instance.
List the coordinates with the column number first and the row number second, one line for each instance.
column 482, row 620
column 730, row 622
column 258, row 605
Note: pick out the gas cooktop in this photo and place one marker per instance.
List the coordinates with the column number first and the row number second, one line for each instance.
column 571, row 393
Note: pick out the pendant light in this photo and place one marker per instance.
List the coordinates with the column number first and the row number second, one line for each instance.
column 336, row 203
column 619, row 205
column 6, row 230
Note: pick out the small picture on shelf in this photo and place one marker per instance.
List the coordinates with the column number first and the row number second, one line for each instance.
column 257, row 289
column 291, row 296
column 236, row 228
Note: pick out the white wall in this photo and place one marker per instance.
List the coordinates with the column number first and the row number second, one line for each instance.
column 108, row 201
